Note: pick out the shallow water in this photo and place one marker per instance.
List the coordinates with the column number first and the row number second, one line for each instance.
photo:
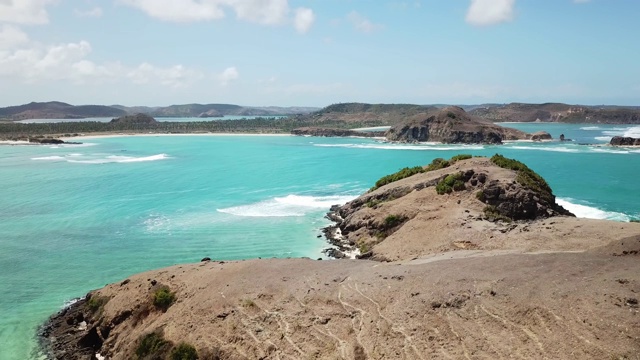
column 75, row 217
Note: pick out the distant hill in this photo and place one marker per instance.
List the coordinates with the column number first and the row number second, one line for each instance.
column 57, row 110
column 556, row 112
column 366, row 114
column 60, row 110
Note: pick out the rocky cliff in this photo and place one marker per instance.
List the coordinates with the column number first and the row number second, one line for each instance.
column 452, row 125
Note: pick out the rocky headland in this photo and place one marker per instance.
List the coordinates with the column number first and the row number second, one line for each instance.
column 475, row 259
column 624, row 141
column 452, row 125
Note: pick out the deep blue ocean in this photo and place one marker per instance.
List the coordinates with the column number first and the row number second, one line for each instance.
column 76, row 217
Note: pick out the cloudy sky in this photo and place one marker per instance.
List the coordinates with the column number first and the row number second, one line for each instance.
column 318, row 52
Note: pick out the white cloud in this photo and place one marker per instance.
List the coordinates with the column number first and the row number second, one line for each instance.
column 490, row 12
column 178, row 10
column 91, row 13
column 266, row 12
column 228, row 75
column 174, row 76
column 24, row 11
column 361, row 23
column 69, row 62
column 304, row 20
column 11, row 36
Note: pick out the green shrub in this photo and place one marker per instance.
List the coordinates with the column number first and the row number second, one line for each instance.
column 96, row 303
column 460, row 157
column 450, row 183
column 492, row 214
column 373, row 203
column 163, row 297
column 393, row 221
column 403, row 173
column 437, row 164
column 480, row 196
column 152, row 346
column 184, row 351
column 451, row 115
column 248, row 303
column 525, row 176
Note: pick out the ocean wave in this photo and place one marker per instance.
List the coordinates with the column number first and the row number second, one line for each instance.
column 79, row 159
column 420, row 147
column 547, row 148
column 61, row 146
column 633, row 132
column 603, row 138
column 589, row 212
column 290, row 205
column 121, row 159
column 49, row 158
column 590, row 128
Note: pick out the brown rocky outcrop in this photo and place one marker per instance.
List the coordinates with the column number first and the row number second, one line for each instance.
column 541, row 135
column 452, row 125
column 624, row 141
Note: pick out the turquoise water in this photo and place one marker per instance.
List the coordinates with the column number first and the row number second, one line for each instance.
column 75, row 217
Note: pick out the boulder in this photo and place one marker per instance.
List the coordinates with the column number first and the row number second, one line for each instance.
column 624, row 141
column 541, row 135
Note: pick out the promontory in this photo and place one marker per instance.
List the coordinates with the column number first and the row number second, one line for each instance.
column 464, row 258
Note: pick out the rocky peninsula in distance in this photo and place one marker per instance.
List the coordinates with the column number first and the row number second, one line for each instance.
column 462, row 258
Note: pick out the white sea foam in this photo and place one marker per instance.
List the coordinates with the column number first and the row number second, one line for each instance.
column 633, row 132
column 49, row 158
column 120, row 159
column 102, row 159
column 590, row 128
column 603, row 138
column 547, row 148
column 420, row 147
column 290, row 205
column 589, row 212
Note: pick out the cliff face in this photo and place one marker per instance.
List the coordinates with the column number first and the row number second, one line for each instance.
column 452, row 125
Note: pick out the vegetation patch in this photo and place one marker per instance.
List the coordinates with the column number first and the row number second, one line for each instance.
column 480, row 196
column 436, row 164
column 525, row 176
column 163, row 297
column 402, row 174
column 451, row 182
column 152, row 346
column 392, row 221
column 184, row 351
column 492, row 214
column 248, row 303
column 97, row 303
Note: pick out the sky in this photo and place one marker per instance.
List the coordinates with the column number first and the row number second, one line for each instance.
column 319, row 52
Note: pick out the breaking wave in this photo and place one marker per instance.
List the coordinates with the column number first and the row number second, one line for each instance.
column 290, row 205
column 79, row 159
column 420, row 147
column 589, row 212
